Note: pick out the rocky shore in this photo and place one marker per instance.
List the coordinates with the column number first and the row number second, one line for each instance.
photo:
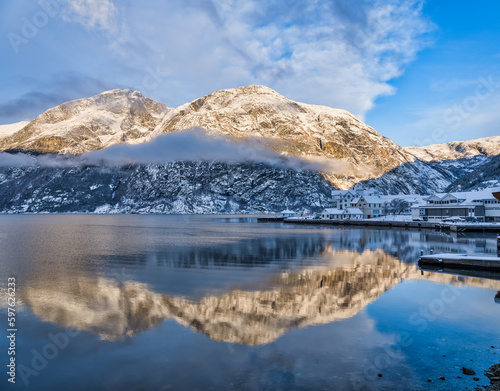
column 493, row 373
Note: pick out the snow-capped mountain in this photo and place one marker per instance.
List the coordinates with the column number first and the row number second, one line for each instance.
column 487, row 146
column 350, row 150
column 453, row 166
column 346, row 151
column 420, row 177
column 10, row 129
column 293, row 129
column 84, row 125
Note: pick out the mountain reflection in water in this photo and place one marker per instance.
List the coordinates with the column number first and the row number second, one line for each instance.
column 343, row 284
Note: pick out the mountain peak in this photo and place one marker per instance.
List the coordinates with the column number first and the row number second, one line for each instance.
column 86, row 124
column 257, row 89
column 290, row 128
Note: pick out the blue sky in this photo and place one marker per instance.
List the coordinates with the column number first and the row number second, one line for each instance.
column 418, row 72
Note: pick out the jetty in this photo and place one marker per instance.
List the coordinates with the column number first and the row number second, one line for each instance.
column 461, row 261
column 453, row 227
column 365, row 223
column 270, row 219
column 489, row 274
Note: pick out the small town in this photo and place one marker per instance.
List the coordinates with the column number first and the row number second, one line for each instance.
column 360, row 204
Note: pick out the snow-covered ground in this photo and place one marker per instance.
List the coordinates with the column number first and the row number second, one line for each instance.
column 393, row 218
column 9, row 129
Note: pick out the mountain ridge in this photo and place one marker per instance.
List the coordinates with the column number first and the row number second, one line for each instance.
column 487, row 146
column 350, row 152
column 251, row 112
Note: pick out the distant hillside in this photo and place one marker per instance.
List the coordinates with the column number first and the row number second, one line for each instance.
column 487, row 175
column 487, row 146
column 177, row 187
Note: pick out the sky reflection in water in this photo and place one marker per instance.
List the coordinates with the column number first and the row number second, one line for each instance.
column 200, row 302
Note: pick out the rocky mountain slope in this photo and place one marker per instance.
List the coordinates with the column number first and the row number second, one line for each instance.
column 88, row 124
column 485, row 176
column 346, row 151
column 420, row 177
column 293, row 128
column 350, row 150
column 486, row 146
column 176, row 187
column 453, row 166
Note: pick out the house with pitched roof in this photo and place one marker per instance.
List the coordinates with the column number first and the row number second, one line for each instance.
column 478, row 205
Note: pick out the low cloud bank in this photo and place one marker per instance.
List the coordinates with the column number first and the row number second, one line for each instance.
column 192, row 145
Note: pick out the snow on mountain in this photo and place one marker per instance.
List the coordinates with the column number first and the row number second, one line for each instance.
column 488, row 146
column 87, row 124
column 485, row 176
column 10, row 129
column 344, row 149
column 349, row 150
column 293, row 128
column 420, row 177
column 175, row 187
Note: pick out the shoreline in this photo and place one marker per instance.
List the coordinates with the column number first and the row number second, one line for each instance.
column 492, row 373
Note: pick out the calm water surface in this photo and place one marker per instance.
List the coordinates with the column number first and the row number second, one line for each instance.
column 224, row 303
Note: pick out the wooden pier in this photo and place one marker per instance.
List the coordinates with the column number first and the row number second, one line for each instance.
column 461, row 261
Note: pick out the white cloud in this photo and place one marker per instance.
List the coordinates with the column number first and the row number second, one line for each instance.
column 91, row 14
column 323, row 52
column 329, row 53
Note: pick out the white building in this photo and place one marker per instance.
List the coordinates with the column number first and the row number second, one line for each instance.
column 342, row 214
column 287, row 213
column 353, row 214
column 332, row 214
column 371, row 206
column 472, row 205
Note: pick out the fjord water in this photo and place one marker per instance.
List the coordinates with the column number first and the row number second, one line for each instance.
column 220, row 303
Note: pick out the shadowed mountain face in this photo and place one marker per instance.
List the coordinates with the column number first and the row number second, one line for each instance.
column 290, row 300
column 421, row 177
column 178, row 187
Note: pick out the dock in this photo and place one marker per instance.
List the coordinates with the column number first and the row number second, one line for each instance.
column 475, row 227
column 366, row 223
column 270, row 219
column 489, row 274
column 461, row 261
column 454, row 227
